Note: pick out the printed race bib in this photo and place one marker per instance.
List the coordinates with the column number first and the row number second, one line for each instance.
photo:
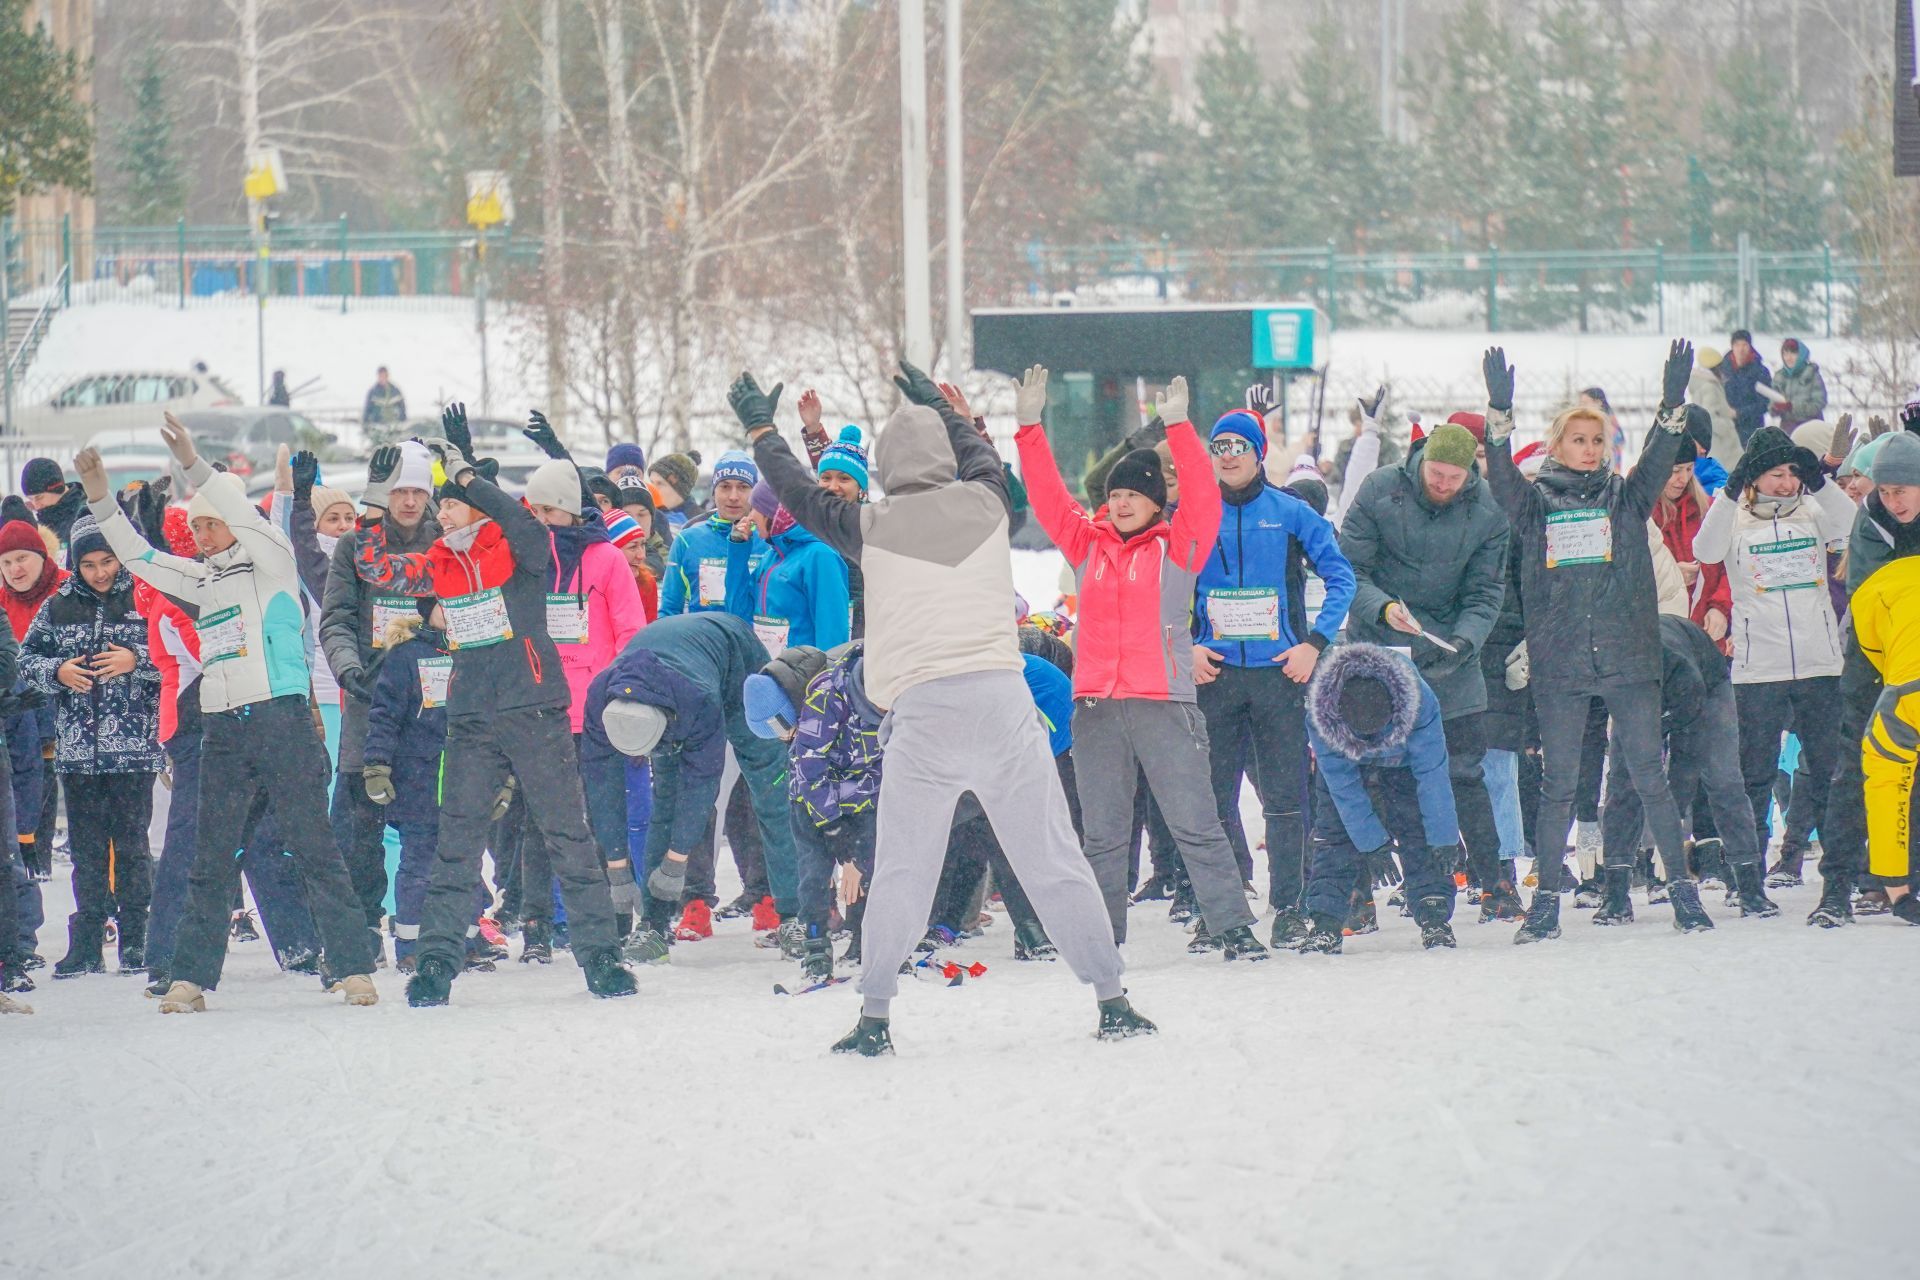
column 1579, row 537
column 1244, row 613
column 435, row 675
column 772, row 633
column 713, row 581
column 223, row 635
column 567, row 617
column 477, row 620
column 1790, row 564
column 389, row 609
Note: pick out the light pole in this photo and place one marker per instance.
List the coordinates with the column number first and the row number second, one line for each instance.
column 489, row 204
column 265, row 179
column 916, row 282
column 957, row 346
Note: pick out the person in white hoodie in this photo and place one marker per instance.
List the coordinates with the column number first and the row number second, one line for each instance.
column 1771, row 526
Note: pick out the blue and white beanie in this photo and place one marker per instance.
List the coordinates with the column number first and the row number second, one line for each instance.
column 735, row 465
column 848, row 454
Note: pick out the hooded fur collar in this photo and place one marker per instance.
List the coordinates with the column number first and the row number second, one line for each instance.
column 1363, row 661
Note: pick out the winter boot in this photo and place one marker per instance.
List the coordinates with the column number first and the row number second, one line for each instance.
column 1431, row 915
column 1030, row 942
column 938, row 936
column 1785, row 874
column 1203, row 941
column 696, row 921
column 1181, row 909
column 869, row 1039
column 536, row 943
column 1152, row 889
column 816, row 962
column 1502, row 902
column 243, row 928
column 1240, row 944
column 1656, row 887
column 133, row 942
column 1543, row 918
column 1753, row 900
column 647, row 946
column 12, row 976
column 85, row 938
column 1871, row 900
column 300, row 960
column 1709, row 859
column 1363, row 918
column 1589, row 894
column 607, row 977
column 431, row 983
column 358, row 989
column 183, row 997
column 1907, row 909
column 1290, row 929
column 1120, row 1021
column 1322, row 936
column 1688, row 915
column 1617, row 905
column 740, row 906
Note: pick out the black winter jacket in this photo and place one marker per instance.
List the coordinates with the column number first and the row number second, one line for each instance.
column 115, row 726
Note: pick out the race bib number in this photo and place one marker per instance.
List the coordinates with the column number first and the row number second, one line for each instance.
column 391, row 609
column 1579, row 537
column 477, row 620
column 713, row 582
column 223, row 635
column 1790, row 564
column 1244, row 613
column 567, row 617
column 772, row 633
column 435, row 675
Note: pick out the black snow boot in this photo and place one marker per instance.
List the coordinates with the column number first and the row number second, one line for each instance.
column 1152, row 889
column 1181, row 910
column 1688, row 915
column 1710, row 864
column 1203, row 941
column 1617, row 906
column 1431, row 915
column 1502, row 902
column 12, row 977
column 816, row 960
column 1907, row 909
column 1030, row 942
column 85, row 939
column 132, row 945
column 536, row 942
column 1543, row 918
column 869, row 1038
column 1363, row 918
column 607, row 977
column 1323, row 936
column 1836, row 903
column 1290, row 929
column 1589, row 894
column 431, row 983
column 1118, row 1020
column 1240, row 944
column 1785, row 874
column 300, row 960
column 1753, row 899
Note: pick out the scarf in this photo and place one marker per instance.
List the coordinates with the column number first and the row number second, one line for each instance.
column 570, row 543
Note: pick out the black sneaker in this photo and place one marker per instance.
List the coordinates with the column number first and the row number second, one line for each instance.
column 1688, row 915
column 1785, row 874
column 1323, row 936
column 431, row 983
column 740, row 906
column 1030, row 942
column 869, row 1038
column 1431, row 915
column 1290, row 929
column 816, row 962
column 1836, row 904
column 1240, row 944
column 607, row 977
column 1543, row 918
column 1907, row 909
column 1181, row 910
column 1364, row 919
column 1152, row 889
column 536, row 943
column 1118, row 1021
column 1203, row 941
column 1501, row 902
column 1617, row 906
column 1751, row 894
column 1588, row 894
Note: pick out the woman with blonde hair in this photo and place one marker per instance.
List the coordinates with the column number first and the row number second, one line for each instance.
column 1592, row 627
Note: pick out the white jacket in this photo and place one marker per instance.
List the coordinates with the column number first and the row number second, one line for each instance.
column 1668, row 584
column 1783, row 626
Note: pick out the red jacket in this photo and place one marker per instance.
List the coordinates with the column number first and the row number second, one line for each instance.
column 1134, row 635
column 160, row 611
column 1710, row 589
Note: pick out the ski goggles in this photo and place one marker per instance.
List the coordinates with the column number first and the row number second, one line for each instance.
column 1229, row 446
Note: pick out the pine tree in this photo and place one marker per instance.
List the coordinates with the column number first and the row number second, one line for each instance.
column 152, row 185
column 1244, row 168
column 1768, row 179
column 1472, row 176
column 46, row 139
column 1355, row 179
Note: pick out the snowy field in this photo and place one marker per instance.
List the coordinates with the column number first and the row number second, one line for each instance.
column 1615, row 1102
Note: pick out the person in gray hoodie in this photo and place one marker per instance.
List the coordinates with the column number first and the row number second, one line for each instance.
column 943, row 662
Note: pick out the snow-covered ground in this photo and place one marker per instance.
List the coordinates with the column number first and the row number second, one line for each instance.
column 1619, row 1102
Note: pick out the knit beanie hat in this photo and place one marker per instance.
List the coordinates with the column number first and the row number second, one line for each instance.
column 1860, row 461
column 626, row 454
column 621, row 527
column 1453, row 445
column 681, row 470
column 1310, row 489
column 1707, row 357
column 42, row 475
column 325, row 497
column 1699, row 435
column 634, row 492
column 735, row 465
column 1141, row 471
column 1767, row 448
column 763, row 499
column 416, row 467
column 764, row 702
column 848, row 454
column 1243, row 423
column 1898, row 461
column 1815, row 435
column 21, row 535
column 556, row 483
column 179, row 531
column 201, row 507
column 634, row 728
column 1475, row 423
column 85, row 538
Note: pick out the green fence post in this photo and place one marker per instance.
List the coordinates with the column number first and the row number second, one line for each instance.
column 1493, row 288
column 346, row 274
column 180, row 234
column 1826, row 260
column 66, row 257
column 1660, row 286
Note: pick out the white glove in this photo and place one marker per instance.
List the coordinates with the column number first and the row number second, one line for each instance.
column 1030, row 397
column 1170, row 406
column 1519, row 668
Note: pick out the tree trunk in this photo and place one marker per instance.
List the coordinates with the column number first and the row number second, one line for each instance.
column 553, row 265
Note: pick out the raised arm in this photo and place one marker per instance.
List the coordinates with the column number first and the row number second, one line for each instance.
column 1513, row 491
column 833, row 520
column 168, row 573
column 1196, row 521
column 532, row 546
column 1065, row 520
column 977, row 461
column 1649, row 475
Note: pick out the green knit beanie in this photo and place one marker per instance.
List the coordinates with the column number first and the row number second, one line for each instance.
column 1453, row 445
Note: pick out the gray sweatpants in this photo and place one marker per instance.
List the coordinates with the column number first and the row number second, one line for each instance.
column 981, row 733
column 1168, row 742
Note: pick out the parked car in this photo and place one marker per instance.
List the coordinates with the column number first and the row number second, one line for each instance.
column 245, row 439
column 91, row 403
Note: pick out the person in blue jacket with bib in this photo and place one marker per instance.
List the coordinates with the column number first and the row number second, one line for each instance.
column 696, row 577
column 795, row 591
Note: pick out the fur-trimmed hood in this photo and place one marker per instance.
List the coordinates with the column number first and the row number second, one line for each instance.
column 1363, row 662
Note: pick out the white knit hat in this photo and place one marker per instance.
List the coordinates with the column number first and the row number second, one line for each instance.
column 202, row 507
column 555, row 484
column 416, row 467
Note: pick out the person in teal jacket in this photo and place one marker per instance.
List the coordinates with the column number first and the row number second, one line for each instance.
column 797, row 592
column 696, row 576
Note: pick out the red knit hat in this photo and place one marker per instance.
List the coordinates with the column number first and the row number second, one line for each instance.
column 1475, row 423
column 179, row 531
column 18, row 535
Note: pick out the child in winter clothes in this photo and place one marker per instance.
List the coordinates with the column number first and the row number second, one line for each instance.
column 1375, row 724
column 87, row 648
column 1591, row 614
column 796, row 592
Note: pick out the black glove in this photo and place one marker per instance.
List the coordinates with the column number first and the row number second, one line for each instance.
column 1910, row 416
column 1383, row 868
column 1435, row 661
column 750, row 404
column 1371, row 408
column 541, row 432
column 355, row 681
column 453, row 426
column 306, row 470
column 1737, row 480
column 1499, row 375
column 1808, row 468
column 488, row 469
column 1679, row 371
column 1149, row 435
column 1260, row 399
column 918, row 388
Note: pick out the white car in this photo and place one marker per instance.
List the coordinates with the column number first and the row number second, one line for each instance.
column 91, row 403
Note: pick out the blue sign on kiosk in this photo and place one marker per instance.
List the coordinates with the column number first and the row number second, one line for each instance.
column 1288, row 338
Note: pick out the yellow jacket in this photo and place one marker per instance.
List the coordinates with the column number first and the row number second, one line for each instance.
column 1886, row 620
